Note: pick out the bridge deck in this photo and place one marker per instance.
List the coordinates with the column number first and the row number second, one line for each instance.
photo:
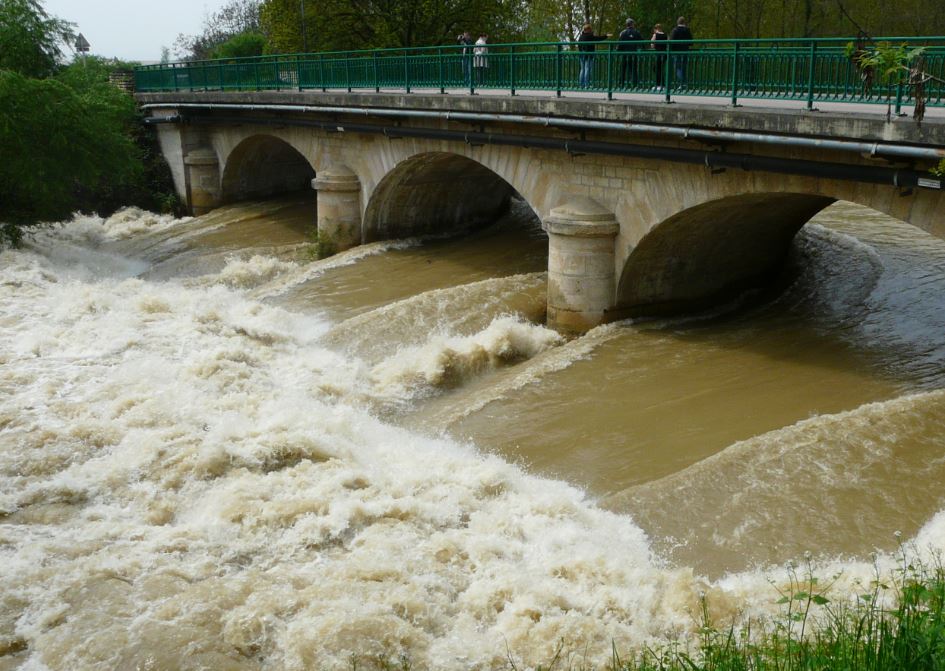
column 866, row 122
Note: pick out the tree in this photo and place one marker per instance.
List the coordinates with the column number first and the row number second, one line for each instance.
column 76, row 138
column 240, row 46
column 69, row 139
column 236, row 17
column 364, row 24
column 30, row 40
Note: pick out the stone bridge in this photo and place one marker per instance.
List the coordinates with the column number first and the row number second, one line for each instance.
column 649, row 208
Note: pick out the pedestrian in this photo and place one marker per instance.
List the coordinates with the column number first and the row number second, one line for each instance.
column 658, row 43
column 679, row 45
column 466, row 54
column 480, row 58
column 630, row 41
column 586, row 47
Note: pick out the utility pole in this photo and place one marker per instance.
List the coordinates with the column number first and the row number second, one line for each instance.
column 302, row 23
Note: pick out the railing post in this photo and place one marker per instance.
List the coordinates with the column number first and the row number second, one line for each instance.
column 348, row 72
column 558, row 70
column 321, row 71
column 377, row 81
column 512, row 70
column 298, row 72
column 610, row 71
column 439, row 56
column 899, row 92
column 735, row 74
column 667, row 70
column 810, row 76
column 255, row 74
column 406, row 72
column 220, row 75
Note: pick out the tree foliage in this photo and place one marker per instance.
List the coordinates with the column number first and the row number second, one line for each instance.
column 69, row 139
column 75, row 133
column 30, row 40
column 358, row 24
column 236, row 17
column 241, row 45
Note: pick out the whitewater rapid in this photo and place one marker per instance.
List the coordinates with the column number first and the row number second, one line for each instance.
column 194, row 477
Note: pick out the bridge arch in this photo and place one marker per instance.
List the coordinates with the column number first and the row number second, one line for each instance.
column 435, row 192
column 712, row 251
column 262, row 165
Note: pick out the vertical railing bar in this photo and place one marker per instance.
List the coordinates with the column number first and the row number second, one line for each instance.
column 512, row 70
column 348, row 72
column 406, row 72
column 666, row 72
column 810, row 76
column 899, row 90
column 298, row 71
column 558, row 69
column 377, row 79
column 610, row 70
column 439, row 54
column 735, row 81
column 321, row 71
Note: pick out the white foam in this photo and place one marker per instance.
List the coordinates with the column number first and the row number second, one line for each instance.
column 184, row 468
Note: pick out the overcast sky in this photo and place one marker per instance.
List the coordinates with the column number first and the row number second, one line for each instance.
column 133, row 29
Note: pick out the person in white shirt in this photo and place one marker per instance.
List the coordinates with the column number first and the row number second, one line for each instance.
column 480, row 58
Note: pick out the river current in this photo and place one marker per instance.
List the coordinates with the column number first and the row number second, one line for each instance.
column 216, row 452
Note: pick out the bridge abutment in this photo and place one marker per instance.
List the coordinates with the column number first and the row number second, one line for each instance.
column 203, row 179
column 339, row 207
column 581, row 237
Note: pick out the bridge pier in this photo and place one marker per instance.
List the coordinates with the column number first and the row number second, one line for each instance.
column 581, row 284
column 339, row 208
column 203, row 179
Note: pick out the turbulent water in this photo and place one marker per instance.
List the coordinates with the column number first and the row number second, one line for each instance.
column 216, row 452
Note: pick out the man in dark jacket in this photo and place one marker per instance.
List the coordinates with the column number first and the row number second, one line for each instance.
column 630, row 40
column 466, row 41
column 586, row 47
column 679, row 45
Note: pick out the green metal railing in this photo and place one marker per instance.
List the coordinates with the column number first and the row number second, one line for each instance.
column 806, row 70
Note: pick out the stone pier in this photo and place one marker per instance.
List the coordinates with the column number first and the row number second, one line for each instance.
column 203, row 177
column 581, row 279
column 339, row 207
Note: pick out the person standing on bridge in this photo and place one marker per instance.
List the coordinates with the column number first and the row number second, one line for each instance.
column 679, row 44
column 481, row 58
column 629, row 42
column 466, row 53
column 586, row 47
column 658, row 43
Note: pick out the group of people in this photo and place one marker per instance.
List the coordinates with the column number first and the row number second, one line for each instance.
column 480, row 59
column 630, row 41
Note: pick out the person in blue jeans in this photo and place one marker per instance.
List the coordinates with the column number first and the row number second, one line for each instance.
column 679, row 45
column 467, row 43
column 586, row 47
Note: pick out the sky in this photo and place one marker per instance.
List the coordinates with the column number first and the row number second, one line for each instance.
column 133, row 29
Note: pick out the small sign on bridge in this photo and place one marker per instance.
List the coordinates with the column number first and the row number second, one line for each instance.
column 81, row 44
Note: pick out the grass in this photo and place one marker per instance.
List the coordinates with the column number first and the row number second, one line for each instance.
column 897, row 623
column 318, row 247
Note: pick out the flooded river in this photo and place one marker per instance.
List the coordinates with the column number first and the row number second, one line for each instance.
column 211, row 442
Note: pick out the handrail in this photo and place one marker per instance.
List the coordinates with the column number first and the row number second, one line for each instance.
column 807, row 70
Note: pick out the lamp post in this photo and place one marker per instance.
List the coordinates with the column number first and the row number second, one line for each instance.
column 302, row 21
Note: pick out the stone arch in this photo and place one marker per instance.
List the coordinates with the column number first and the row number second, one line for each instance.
column 263, row 165
column 713, row 251
column 435, row 192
